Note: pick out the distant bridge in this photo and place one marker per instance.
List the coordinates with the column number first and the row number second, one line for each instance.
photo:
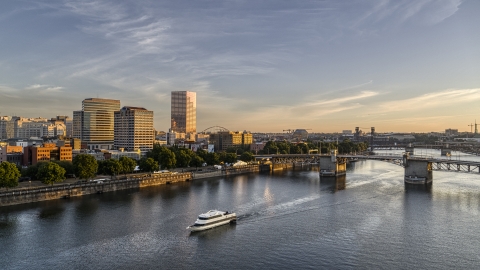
column 416, row 167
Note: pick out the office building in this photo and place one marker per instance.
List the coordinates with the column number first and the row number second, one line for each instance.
column 6, row 127
column 133, row 129
column 227, row 139
column 94, row 124
column 184, row 112
column 46, row 152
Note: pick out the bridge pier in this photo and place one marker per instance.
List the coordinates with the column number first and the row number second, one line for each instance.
column 409, row 149
column 332, row 165
column 417, row 171
column 446, row 151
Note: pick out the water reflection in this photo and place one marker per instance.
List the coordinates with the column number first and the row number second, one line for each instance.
column 423, row 188
column 333, row 183
column 7, row 222
column 51, row 212
column 87, row 207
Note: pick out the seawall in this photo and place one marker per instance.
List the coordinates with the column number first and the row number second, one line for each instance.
column 21, row 196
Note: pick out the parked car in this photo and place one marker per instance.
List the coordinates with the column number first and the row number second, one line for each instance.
column 24, row 178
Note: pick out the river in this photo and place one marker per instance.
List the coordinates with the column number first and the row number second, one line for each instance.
column 286, row 220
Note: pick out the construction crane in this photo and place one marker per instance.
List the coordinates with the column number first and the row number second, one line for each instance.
column 471, row 127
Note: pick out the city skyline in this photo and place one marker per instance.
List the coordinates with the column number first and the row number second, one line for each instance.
column 264, row 66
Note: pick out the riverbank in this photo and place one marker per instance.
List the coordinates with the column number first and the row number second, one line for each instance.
column 78, row 188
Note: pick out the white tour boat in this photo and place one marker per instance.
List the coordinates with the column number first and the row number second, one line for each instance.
column 211, row 219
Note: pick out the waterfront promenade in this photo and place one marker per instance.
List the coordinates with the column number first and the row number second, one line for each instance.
column 74, row 187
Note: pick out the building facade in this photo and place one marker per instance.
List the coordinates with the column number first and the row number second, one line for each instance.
column 6, row 127
column 94, row 124
column 133, row 129
column 46, row 152
column 228, row 139
column 184, row 112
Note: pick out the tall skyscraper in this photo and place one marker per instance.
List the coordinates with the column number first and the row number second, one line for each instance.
column 134, row 129
column 184, row 112
column 94, row 124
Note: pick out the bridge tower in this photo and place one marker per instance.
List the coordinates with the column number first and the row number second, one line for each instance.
column 417, row 171
column 332, row 165
column 371, row 138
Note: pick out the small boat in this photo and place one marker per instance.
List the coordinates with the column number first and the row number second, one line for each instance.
column 324, row 172
column 211, row 219
column 414, row 179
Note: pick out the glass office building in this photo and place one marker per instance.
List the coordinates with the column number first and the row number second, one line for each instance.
column 94, row 124
column 184, row 112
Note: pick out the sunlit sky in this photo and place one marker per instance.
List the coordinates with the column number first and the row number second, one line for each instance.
column 257, row 65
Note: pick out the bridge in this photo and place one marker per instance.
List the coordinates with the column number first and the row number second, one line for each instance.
column 418, row 169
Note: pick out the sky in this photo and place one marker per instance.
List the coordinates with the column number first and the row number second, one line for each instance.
column 256, row 65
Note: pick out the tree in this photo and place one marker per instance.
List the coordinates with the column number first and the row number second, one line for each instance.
column 50, row 172
column 212, row 158
column 67, row 165
column 127, row 164
column 167, row 159
column 9, row 175
column 270, row 148
column 230, row 158
column 196, row 161
column 148, row 165
column 31, row 171
column 86, row 166
column 202, row 153
column 182, row 158
column 101, row 166
column 112, row 167
column 164, row 156
column 247, row 156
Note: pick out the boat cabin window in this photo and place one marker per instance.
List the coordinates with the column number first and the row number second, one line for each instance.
column 207, row 218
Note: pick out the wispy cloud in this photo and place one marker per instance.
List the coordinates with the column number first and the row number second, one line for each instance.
column 340, row 101
column 99, row 10
column 44, row 89
column 396, row 12
column 452, row 97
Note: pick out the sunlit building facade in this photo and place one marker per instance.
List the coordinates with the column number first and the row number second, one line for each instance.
column 94, row 124
column 134, row 129
column 184, row 112
column 228, row 139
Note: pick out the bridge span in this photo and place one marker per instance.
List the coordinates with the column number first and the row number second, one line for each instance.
column 418, row 169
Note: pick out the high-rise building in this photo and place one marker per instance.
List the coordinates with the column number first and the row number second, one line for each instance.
column 6, row 127
column 134, row 129
column 184, row 112
column 94, row 124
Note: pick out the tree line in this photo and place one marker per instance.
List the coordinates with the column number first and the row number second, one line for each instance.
column 284, row 147
column 85, row 166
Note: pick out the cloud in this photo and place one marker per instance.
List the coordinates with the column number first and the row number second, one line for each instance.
column 386, row 13
column 451, row 97
column 340, row 101
column 35, row 86
column 99, row 10
column 44, row 89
